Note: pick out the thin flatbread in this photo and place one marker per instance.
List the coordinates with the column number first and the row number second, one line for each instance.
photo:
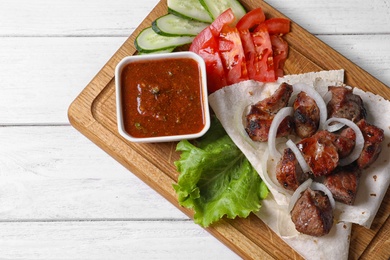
column 230, row 105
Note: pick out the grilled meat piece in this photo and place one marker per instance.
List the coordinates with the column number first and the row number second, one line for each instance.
column 312, row 214
column 320, row 153
column 373, row 137
column 260, row 117
column 306, row 115
column 345, row 104
column 343, row 144
column 343, row 183
column 259, row 123
column 277, row 100
column 288, row 171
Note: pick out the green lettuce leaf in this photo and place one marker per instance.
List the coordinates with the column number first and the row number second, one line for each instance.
column 216, row 179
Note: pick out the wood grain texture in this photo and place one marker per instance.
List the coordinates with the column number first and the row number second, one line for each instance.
column 337, row 17
column 83, row 18
column 119, row 17
column 93, row 114
column 104, row 240
column 51, row 180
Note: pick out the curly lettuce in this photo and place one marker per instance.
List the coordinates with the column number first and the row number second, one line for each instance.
column 216, row 179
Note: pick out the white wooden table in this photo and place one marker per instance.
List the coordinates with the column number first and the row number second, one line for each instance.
column 61, row 197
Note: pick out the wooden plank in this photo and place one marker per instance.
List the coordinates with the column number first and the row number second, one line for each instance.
column 370, row 52
column 337, row 17
column 121, row 17
column 93, row 113
column 83, row 18
column 108, row 240
column 380, row 242
column 39, row 81
column 79, row 180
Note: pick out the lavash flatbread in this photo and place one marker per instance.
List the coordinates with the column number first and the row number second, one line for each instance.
column 229, row 105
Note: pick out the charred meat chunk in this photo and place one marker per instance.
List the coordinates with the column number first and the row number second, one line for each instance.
column 259, row 119
column 373, row 137
column 259, row 123
column 343, row 183
column 288, row 171
column 306, row 115
column 320, row 153
column 344, row 145
column 312, row 214
column 345, row 104
column 277, row 100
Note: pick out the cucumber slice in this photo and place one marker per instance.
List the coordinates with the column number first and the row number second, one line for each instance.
column 149, row 41
column 172, row 25
column 217, row 7
column 190, row 9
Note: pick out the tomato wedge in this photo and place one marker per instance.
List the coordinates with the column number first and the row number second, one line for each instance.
column 263, row 64
column 227, row 17
column 232, row 54
column 205, row 45
column 253, row 49
column 251, row 19
column 278, row 25
column 280, row 50
column 257, row 46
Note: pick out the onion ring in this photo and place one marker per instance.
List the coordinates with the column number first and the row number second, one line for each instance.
column 311, row 92
column 327, row 97
column 268, row 179
column 323, row 188
column 282, row 114
column 301, row 160
column 309, row 183
column 297, row 193
column 359, row 141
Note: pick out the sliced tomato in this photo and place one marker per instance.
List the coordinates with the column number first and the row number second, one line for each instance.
column 280, row 52
column 249, row 51
column 205, row 39
column 251, row 19
column 216, row 78
column 253, row 49
column 278, row 25
column 227, row 17
column 206, row 45
column 232, row 54
column 263, row 64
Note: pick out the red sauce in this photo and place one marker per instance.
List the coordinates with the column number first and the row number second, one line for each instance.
column 162, row 98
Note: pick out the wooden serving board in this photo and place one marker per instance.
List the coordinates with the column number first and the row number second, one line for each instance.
column 93, row 113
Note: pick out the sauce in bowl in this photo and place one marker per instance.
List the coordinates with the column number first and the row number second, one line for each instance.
column 162, row 97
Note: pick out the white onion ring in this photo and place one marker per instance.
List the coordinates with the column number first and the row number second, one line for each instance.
column 327, row 97
column 359, row 141
column 323, row 188
column 301, row 160
column 311, row 92
column 309, row 183
column 267, row 179
column 334, row 127
column 240, row 122
column 297, row 193
column 282, row 114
